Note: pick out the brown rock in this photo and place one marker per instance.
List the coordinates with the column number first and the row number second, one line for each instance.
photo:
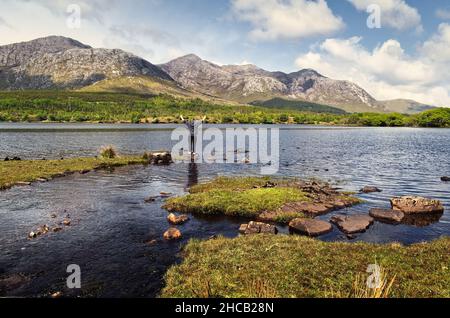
column 57, row 229
column 417, row 205
column 351, row 224
column 369, row 190
column 310, row 227
column 172, row 234
column 66, row 222
column 32, row 235
column 387, row 216
column 56, row 295
column 257, row 228
column 177, row 220
column 309, row 208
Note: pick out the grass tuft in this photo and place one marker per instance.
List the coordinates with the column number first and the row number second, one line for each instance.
column 108, row 152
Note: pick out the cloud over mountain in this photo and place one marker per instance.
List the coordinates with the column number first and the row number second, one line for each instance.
column 291, row 19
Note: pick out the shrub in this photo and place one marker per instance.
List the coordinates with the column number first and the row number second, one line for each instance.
column 108, row 152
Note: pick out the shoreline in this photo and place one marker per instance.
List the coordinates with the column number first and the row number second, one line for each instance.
column 324, row 125
column 25, row 172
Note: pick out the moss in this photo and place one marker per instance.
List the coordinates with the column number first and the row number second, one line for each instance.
column 12, row 172
column 294, row 266
column 245, row 203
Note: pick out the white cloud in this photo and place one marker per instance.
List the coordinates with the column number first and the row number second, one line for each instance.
column 395, row 14
column 287, row 19
column 387, row 72
column 443, row 14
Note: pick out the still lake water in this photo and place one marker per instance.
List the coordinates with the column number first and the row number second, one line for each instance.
column 111, row 223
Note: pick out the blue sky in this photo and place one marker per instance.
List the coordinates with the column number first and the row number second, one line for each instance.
column 406, row 58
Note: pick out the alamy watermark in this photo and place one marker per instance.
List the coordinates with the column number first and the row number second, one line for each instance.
column 374, row 19
column 74, row 279
column 237, row 145
column 374, row 281
column 73, row 20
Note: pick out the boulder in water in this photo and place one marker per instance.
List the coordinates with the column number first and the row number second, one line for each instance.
column 352, row 224
column 310, row 227
column 417, row 205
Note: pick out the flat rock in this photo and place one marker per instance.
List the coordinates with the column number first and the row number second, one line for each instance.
column 172, row 234
column 310, row 227
column 370, row 190
column 387, row 216
column 417, row 205
column 257, row 228
column 351, row 224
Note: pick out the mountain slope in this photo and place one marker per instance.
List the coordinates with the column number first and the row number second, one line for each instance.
column 405, row 106
column 57, row 62
column 281, row 103
column 248, row 83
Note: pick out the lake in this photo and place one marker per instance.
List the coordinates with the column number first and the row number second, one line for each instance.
column 112, row 225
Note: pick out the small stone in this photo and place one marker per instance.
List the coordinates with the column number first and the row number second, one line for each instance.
column 310, row 227
column 172, row 234
column 445, row 179
column 32, row 235
column 57, row 295
column 57, row 229
column 165, row 194
column 66, row 222
column 22, row 184
column 387, row 216
column 352, row 224
column 53, row 216
column 370, row 190
column 177, row 220
column 150, row 200
column 151, row 242
column 257, row 228
column 243, row 228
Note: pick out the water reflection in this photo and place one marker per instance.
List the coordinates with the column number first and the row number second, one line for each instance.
column 192, row 175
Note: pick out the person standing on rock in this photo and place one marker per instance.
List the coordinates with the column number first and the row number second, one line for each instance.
column 191, row 126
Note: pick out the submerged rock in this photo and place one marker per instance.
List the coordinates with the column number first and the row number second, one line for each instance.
column 370, row 190
column 387, row 216
column 352, row 224
column 310, row 227
column 257, row 228
column 177, row 220
column 159, row 158
column 172, row 234
column 417, row 205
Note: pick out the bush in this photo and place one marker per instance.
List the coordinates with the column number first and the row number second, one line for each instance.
column 108, row 152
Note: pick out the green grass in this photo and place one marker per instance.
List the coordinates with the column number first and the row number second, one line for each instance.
column 244, row 203
column 12, row 172
column 298, row 267
column 75, row 106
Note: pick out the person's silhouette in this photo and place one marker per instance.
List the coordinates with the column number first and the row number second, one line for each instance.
column 192, row 125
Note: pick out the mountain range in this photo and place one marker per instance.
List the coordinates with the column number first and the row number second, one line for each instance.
column 62, row 63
